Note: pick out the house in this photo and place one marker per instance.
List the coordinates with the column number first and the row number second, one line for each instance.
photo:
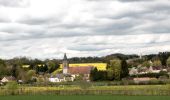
column 7, row 79
column 57, row 78
column 155, row 69
column 54, row 79
column 61, row 78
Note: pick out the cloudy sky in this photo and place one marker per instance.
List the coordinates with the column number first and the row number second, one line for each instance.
column 49, row 28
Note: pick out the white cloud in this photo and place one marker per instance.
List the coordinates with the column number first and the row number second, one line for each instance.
column 48, row 28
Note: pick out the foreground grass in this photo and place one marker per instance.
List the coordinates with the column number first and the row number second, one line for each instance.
column 85, row 97
column 92, row 90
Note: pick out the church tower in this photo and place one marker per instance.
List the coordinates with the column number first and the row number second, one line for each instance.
column 65, row 65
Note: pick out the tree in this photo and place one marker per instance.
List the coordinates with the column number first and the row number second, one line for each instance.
column 168, row 62
column 115, row 65
column 52, row 66
column 124, row 69
column 22, row 75
column 163, row 57
column 93, row 74
column 110, row 75
column 157, row 63
column 14, row 70
column 30, row 74
column 3, row 69
column 146, row 64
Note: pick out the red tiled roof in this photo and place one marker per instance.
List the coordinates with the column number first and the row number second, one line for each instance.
column 80, row 70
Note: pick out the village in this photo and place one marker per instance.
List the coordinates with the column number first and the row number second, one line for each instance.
column 146, row 73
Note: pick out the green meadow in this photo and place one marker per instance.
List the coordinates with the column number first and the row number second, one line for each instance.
column 83, row 97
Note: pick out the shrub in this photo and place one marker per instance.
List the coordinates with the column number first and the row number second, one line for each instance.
column 12, row 87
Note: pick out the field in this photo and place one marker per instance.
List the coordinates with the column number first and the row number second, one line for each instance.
column 138, row 90
column 86, row 97
column 99, row 66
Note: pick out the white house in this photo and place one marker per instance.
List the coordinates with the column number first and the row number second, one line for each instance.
column 7, row 79
column 61, row 78
column 55, row 79
column 154, row 69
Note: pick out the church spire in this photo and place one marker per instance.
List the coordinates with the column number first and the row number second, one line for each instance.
column 65, row 56
column 65, row 64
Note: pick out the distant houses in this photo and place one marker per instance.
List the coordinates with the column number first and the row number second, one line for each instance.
column 145, row 70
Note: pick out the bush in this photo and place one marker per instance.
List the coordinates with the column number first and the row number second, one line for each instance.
column 12, row 87
column 151, row 75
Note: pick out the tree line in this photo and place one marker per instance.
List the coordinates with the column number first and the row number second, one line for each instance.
column 117, row 65
column 15, row 67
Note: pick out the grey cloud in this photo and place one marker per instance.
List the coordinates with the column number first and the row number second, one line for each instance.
column 3, row 20
column 42, row 20
column 158, row 29
column 135, row 0
column 14, row 3
column 88, row 48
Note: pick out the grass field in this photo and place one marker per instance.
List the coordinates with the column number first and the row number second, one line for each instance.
column 92, row 90
column 86, row 97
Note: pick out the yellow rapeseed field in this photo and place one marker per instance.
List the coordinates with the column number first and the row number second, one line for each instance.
column 99, row 66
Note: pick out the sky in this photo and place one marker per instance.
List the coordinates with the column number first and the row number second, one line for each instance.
column 49, row 28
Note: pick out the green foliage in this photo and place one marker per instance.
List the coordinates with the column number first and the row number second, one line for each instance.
column 116, row 70
column 29, row 75
column 52, row 66
column 115, row 65
column 110, row 75
column 96, row 75
column 163, row 57
column 93, row 74
column 146, row 64
column 124, row 69
column 152, row 75
column 157, row 62
column 12, row 87
column 3, row 69
column 168, row 62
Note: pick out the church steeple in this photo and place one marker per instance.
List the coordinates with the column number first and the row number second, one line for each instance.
column 65, row 64
column 65, row 56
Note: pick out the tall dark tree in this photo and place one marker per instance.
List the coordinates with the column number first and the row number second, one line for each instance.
column 125, row 71
column 163, row 57
column 93, row 74
column 3, row 68
column 14, row 70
